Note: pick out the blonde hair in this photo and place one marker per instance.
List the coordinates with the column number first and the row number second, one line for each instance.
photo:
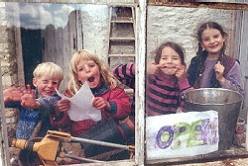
column 107, row 76
column 48, row 69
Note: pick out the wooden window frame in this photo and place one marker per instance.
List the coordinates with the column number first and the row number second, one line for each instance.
column 140, row 62
column 212, row 5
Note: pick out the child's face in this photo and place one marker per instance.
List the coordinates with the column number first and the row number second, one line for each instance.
column 212, row 41
column 46, row 85
column 88, row 70
column 170, row 61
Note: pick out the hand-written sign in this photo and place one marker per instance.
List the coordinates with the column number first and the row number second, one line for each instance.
column 184, row 134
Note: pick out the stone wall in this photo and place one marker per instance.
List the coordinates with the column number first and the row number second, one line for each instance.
column 8, row 64
column 180, row 25
column 7, row 50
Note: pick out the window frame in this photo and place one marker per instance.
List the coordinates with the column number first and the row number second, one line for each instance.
column 140, row 72
column 237, row 5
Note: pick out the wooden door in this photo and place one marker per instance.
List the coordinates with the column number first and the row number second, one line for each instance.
column 242, row 49
column 243, row 56
column 60, row 43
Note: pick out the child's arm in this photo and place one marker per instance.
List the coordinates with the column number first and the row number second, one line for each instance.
column 29, row 101
column 183, row 85
column 42, row 103
column 125, row 73
column 59, row 117
column 118, row 104
column 153, row 68
column 181, row 75
column 232, row 80
column 100, row 103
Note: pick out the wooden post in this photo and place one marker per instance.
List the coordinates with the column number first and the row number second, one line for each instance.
column 140, row 64
column 3, row 135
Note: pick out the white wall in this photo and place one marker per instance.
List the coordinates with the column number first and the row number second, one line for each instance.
column 180, row 25
column 95, row 30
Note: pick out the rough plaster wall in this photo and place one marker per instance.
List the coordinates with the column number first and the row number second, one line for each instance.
column 8, row 65
column 180, row 25
column 95, row 31
column 7, row 50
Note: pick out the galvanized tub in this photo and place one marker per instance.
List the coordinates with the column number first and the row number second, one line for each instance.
column 226, row 102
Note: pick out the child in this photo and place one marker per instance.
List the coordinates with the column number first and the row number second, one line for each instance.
column 47, row 78
column 109, row 98
column 211, row 67
column 125, row 73
column 166, row 84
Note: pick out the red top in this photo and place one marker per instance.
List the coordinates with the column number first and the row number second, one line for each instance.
column 119, row 109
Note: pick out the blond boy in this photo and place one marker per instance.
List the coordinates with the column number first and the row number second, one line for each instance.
column 36, row 107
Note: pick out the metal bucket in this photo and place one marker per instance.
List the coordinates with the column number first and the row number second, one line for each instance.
column 226, row 102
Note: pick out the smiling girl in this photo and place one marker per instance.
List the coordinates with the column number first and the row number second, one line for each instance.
column 212, row 68
column 165, row 86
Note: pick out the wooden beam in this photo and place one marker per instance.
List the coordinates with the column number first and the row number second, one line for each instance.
column 190, row 4
column 96, row 2
column 140, row 64
column 234, row 152
column 4, row 152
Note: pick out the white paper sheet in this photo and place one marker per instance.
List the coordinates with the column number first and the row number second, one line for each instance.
column 81, row 105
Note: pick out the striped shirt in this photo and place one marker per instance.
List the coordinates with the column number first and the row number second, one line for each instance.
column 125, row 74
column 163, row 93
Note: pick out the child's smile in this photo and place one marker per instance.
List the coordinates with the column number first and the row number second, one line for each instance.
column 170, row 70
column 169, row 61
column 212, row 41
column 46, row 85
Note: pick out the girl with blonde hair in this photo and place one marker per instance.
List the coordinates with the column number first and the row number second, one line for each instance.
column 109, row 97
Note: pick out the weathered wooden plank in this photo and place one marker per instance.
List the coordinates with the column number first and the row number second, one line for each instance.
column 139, row 84
column 79, row 30
column 213, row 5
column 3, row 128
column 109, row 163
column 243, row 63
column 19, row 56
column 235, row 152
column 61, row 42
column 220, row 162
column 113, row 2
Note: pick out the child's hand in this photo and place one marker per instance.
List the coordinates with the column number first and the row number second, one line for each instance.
column 181, row 71
column 28, row 101
column 152, row 68
column 63, row 105
column 27, row 90
column 12, row 94
column 219, row 72
column 100, row 103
